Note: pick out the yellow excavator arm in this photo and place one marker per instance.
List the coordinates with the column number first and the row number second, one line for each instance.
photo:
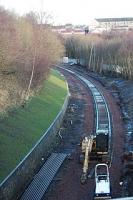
column 87, row 144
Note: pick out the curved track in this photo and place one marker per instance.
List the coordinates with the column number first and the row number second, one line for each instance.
column 93, row 110
column 102, row 119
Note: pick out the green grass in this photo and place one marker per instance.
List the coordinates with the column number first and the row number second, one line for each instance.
column 21, row 129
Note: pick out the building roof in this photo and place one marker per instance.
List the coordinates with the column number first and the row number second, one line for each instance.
column 114, row 19
column 59, row 27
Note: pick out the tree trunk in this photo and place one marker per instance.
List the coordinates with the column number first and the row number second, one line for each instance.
column 31, row 77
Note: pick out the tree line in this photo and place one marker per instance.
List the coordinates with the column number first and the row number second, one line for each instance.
column 28, row 48
column 112, row 52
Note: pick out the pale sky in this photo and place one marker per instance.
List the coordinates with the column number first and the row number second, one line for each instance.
column 73, row 11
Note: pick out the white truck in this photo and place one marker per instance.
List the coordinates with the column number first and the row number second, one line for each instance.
column 102, row 182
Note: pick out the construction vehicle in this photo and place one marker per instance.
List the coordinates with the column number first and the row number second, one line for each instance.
column 89, row 152
column 87, row 146
column 102, row 182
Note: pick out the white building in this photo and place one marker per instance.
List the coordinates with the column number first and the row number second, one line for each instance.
column 113, row 24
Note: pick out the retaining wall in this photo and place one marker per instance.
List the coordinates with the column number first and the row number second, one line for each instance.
column 20, row 177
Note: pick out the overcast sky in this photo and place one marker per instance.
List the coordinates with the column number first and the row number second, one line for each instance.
column 73, row 11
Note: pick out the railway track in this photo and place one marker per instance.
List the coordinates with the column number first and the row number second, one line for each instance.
column 42, row 180
column 102, row 130
column 110, row 114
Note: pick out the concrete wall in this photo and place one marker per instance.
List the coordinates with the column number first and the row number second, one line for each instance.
column 20, row 177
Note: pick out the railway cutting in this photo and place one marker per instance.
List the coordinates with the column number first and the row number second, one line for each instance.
column 89, row 136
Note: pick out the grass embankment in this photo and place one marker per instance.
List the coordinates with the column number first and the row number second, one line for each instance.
column 21, row 129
